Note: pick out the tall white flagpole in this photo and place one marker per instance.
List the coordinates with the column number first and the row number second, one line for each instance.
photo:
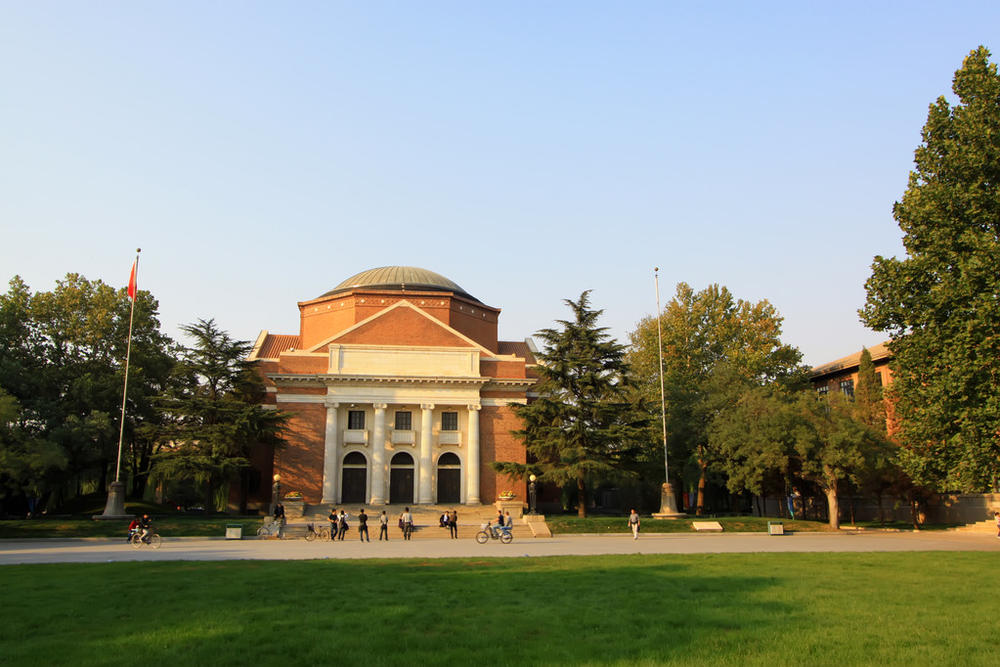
column 115, row 507
column 668, row 502
column 134, row 278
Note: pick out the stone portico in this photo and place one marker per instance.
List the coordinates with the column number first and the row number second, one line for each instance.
column 398, row 391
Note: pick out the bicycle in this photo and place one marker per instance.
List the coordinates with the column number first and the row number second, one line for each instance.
column 151, row 540
column 312, row 532
column 270, row 528
column 489, row 532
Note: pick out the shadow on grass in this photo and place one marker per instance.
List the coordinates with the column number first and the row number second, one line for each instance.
column 601, row 610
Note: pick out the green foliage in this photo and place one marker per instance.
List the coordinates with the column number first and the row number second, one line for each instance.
column 714, row 347
column 212, row 413
column 582, row 429
column 62, row 357
column 940, row 302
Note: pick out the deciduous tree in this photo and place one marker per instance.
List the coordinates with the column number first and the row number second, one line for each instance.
column 940, row 303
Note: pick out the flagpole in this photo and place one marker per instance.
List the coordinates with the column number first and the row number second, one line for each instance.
column 128, row 355
column 668, row 502
column 115, row 507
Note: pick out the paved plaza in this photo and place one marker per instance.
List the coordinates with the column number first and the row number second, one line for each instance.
column 115, row 550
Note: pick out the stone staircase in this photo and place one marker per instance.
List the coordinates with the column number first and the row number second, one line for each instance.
column 425, row 520
column 988, row 526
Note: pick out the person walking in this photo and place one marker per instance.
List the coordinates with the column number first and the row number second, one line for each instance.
column 407, row 520
column 996, row 515
column 342, row 526
column 453, row 524
column 334, row 523
column 633, row 523
column 383, row 527
column 363, row 526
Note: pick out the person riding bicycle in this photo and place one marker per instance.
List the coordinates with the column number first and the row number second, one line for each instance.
column 145, row 528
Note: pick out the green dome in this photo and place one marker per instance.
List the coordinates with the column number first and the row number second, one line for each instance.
column 400, row 278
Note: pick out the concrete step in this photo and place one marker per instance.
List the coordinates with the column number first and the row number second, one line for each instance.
column 988, row 526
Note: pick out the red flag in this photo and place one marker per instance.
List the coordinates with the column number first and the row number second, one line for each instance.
column 131, row 282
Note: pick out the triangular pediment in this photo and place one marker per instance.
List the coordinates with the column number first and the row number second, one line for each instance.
column 402, row 324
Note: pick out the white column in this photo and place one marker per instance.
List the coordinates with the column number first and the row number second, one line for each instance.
column 331, row 454
column 424, row 495
column 378, row 456
column 472, row 458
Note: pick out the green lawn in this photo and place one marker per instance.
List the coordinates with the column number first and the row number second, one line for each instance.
column 717, row 609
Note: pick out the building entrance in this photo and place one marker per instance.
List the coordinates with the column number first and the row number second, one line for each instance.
column 401, row 479
column 449, row 486
column 354, row 478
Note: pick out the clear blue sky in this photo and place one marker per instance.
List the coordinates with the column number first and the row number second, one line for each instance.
column 260, row 153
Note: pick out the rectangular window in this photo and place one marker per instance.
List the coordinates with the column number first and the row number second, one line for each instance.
column 404, row 421
column 878, row 378
column 822, row 390
column 847, row 387
column 449, row 421
column 355, row 420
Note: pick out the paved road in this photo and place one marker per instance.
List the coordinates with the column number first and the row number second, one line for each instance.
column 101, row 551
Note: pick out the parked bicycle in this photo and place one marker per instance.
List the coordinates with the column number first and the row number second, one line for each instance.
column 312, row 533
column 270, row 528
column 151, row 540
column 491, row 532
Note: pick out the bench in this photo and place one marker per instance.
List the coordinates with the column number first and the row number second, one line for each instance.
column 707, row 526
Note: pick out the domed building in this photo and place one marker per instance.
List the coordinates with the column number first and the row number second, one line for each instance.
column 398, row 392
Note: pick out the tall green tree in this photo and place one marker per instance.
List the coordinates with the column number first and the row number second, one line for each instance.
column 940, row 303
column 62, row 356
column 582, row 429
column 714, row 346
column 213, row 415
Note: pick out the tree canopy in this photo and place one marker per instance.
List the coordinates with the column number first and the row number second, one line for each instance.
column 213, row 415
column 582, row 428
column 62, row 357
column 714, row 347
column 941, row 303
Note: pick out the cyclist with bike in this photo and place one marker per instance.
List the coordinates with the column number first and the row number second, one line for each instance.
column 145, row 528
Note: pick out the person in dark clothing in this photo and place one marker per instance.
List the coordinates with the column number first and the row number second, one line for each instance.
column 383, row 526
column 363, row 526
column 334, row 524
column 343, row 526
column 453, row 524
column 145, row 527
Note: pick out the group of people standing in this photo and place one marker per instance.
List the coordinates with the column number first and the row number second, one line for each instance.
column 339, row 525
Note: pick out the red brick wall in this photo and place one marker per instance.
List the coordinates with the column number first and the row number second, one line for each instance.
column 497, row 444
column 300, row 462
column 403, row 326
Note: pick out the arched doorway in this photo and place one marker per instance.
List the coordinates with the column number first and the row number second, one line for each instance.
column 401, row 479
column 449, row 478
column 354, row 478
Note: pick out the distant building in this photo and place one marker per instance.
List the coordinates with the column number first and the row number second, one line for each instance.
column 842, row 375
column 398, row 392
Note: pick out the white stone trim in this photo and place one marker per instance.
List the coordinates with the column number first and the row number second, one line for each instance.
column 259, row 343
column 501, row 402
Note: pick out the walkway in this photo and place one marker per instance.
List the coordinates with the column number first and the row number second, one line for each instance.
column 104, row 551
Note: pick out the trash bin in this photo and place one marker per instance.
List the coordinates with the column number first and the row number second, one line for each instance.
column 775, row 528
column 234, row 531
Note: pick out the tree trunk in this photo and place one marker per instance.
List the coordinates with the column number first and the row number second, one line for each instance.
column 881, row 512
column 581, row 500
column 702, row 483
column 834, row 505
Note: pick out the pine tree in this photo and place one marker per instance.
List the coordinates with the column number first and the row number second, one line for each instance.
column 582, row 429
column 214, row 414
column 940, row 303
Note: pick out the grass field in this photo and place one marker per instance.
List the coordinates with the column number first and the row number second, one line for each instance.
column 732, row 609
